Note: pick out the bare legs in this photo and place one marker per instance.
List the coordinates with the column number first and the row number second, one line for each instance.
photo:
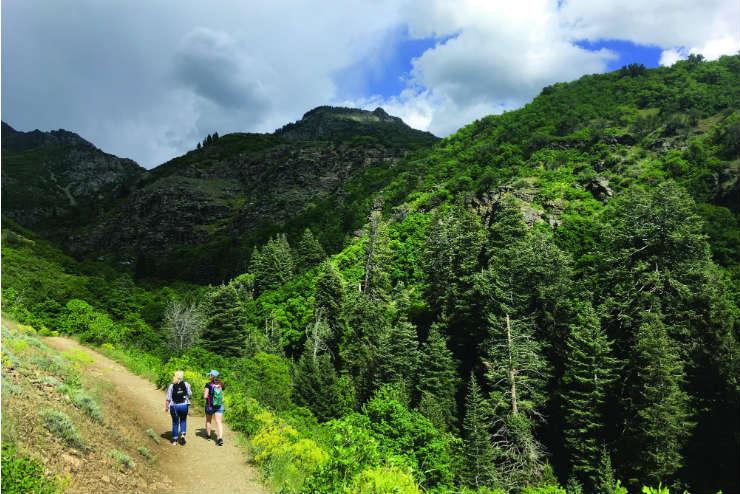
column 219, row 424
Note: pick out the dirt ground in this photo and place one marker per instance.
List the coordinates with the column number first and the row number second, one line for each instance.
column 198, row 467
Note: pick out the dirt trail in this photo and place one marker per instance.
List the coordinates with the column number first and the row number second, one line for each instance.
column 198, row 467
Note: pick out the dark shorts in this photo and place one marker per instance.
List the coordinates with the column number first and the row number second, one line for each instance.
column 218, row 410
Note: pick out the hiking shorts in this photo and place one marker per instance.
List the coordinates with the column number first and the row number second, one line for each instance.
column 218, row 410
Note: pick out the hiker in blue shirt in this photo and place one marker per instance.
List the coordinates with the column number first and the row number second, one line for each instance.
column 214, row 396
column 177, row 402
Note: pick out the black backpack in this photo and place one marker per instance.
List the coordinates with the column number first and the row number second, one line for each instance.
column 179, row 392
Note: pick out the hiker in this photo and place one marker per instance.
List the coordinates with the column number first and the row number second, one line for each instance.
column 214, row 396
column 177, row 402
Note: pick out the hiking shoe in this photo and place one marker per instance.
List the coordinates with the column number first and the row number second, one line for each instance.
column 183, row 441
column 219, row 442
column 174, row 443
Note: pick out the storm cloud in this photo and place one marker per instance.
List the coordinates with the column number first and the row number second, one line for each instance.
column 149, row 79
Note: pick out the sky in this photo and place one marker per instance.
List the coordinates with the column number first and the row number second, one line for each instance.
column 148, row 79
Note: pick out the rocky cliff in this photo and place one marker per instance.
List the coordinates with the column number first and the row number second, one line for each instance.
column 197, row 216
column 51, row 180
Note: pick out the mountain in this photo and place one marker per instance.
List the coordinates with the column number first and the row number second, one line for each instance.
column 53, row 180
column 198, row 216
column 336, row 123
column 553, row 289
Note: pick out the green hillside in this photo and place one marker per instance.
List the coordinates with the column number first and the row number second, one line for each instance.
column 546, row 298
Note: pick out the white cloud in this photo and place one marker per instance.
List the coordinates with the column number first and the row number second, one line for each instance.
column 671, row 56
column 148, row 80
column 505, row 52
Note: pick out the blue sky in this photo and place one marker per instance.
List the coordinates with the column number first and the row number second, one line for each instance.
column 140, row 79
column 387, row 73
column 627, row 52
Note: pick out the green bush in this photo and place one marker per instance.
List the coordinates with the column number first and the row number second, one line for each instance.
column 24, row 475
column 384, row 480
column 61, row 426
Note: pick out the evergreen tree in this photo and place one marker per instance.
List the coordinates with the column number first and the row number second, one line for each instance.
column 479, row 470
column 516, row 373
column 223, row 332
column 367, row 321
column 507, row 226
column 589, row 371
column 329, row 296
column 516, row 369
column 438, row 380
column 605, row 482
column 376, row 282
column 661, row 424
column 318, row 387
column 308, row 251
column 453, row 248
column 272, row 265
column 397, row 355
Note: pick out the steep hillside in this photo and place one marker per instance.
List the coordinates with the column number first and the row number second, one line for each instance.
column 547, row 297
column 198, row 216
column 56, row 180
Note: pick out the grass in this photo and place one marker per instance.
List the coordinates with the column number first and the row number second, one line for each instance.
column 145, row 452
column 87, row 404
column 77, row 356
column 122, row 458
column 152, row 435
column 138, row 362
column 62, row 427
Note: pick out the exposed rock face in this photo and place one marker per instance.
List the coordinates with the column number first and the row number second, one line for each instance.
column 50, row 178
column 334, row 123
column 599, row 187
column 196, row 216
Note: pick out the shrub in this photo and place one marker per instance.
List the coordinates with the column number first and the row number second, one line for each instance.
column 145, row 452
column 61, row 426
column 88, row 405
column 285, row 458
column 351, row 449
column 384, row 480
column 23, row 475
column 153, row 435
column 122, row 458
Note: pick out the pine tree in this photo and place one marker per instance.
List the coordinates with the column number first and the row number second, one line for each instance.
column 308, row 251
column 605, row 482
column 661, row 422
column 438, row 379
column 589, row 371
column 376, row 281
column 272, row 265
column 516, row 368
column 455, row 242
column 479, row 469
column 318, row 387
column 516, row 372
column 329, row 296
column 397, row 355
column 223, row 332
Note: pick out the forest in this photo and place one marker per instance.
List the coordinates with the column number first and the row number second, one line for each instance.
column 545, row 302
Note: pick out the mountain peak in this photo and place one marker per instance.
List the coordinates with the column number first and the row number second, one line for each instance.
column 19, row 140
column 329, row 123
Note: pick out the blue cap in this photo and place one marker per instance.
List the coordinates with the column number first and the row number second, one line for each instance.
column 213, row 373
